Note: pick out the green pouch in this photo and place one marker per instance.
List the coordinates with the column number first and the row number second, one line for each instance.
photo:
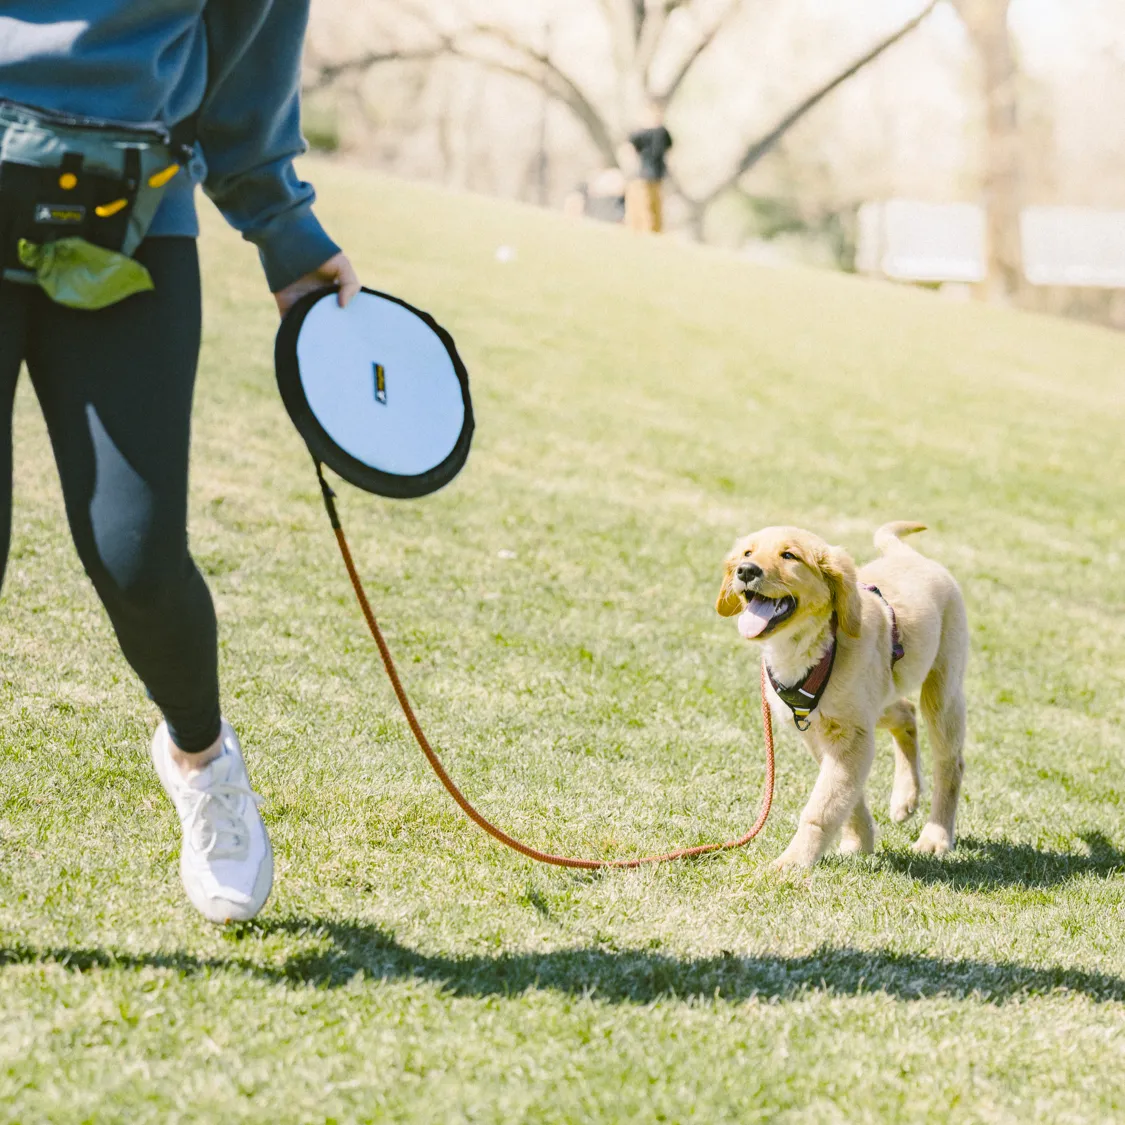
column 80, row 275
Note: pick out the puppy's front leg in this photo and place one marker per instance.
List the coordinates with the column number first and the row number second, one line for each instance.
column 858, row 835
column 844, row 765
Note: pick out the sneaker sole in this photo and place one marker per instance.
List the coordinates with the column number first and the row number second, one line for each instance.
column 222, row 914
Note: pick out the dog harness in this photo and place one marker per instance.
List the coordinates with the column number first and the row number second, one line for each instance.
column 802, row 698
column 897, row 651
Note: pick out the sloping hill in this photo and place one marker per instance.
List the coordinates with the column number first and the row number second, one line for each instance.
column 640, row 403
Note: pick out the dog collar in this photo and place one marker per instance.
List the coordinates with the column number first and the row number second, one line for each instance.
column 802, row 698
column 897, row 651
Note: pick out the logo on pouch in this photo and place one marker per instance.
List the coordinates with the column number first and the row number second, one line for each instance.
column 59, row 214
column 380, row 384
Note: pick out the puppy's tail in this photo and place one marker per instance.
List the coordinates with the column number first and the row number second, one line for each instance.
column 888, row 539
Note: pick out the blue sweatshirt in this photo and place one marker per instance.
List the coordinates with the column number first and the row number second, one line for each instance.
column 236, row 62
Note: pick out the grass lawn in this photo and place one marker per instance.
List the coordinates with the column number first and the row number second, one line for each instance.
column 640, row 404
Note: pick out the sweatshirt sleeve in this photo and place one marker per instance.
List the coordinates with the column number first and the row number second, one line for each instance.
column 249, row 130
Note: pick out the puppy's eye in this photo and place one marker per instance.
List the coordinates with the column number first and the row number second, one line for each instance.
column 745, row 554
column 789, row 555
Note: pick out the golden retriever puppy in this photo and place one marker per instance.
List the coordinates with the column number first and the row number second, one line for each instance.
column 843, row 652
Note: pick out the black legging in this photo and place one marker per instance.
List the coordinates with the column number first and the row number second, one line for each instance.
column 115, row 387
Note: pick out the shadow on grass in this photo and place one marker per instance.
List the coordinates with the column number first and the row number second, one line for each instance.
column 992, row 864
column 344, row 950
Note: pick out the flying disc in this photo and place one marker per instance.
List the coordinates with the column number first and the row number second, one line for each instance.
column 377, row 391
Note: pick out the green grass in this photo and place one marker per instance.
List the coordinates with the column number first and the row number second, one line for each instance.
column 640, row 404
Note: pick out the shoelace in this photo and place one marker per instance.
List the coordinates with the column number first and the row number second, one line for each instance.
column 215, row 818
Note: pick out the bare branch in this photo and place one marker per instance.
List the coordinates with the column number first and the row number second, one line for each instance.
column 521, row 61
column 437, row 44
column 636, row 28
column 415, row 11
column 623, row 20
column 759, row 148
column 640, row 12
column 705, row 41
column 330, row 72
column 650, row 34
column 533, row 65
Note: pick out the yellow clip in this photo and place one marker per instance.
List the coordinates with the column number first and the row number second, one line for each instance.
column 106, row 210
column 68, row 181
column 159, row 179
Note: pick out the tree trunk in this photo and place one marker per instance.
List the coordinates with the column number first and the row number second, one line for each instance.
column 1002, row 175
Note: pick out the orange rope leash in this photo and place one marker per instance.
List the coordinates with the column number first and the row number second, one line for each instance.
column 463, row 801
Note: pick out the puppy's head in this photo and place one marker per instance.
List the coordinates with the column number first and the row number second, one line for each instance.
column 780, row 576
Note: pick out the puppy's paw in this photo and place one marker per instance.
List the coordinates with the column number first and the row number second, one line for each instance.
column 855, row 845
column 792, row 862
column 904, row 803
column 934, row 840
column 789, row 867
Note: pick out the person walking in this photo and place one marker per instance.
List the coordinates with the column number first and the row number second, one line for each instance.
column 644, row 196
column 110, row 332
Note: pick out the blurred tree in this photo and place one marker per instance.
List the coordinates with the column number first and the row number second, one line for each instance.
column 639, row 39
column 986, row 22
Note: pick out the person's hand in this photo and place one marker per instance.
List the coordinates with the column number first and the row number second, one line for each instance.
column 336, row 271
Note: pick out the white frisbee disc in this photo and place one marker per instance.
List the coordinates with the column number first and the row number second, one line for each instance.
column 377, row 390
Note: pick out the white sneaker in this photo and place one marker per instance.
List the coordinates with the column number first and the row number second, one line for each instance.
column 226, row 862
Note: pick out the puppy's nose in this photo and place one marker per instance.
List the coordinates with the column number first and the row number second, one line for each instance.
column 748, row 571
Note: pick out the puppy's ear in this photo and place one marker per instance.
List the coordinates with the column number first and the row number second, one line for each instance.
column 839, row 571
column 728, row 604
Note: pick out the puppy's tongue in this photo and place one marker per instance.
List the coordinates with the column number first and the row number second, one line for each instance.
column 756, row 616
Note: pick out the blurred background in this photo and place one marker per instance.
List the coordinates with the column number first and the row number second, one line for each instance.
column 974, row 146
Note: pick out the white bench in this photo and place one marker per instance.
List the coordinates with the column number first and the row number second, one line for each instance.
column 938, row 243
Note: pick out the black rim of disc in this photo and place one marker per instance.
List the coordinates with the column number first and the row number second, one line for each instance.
column 325, row 450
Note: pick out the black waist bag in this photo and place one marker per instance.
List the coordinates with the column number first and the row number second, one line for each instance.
column 77, row 195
